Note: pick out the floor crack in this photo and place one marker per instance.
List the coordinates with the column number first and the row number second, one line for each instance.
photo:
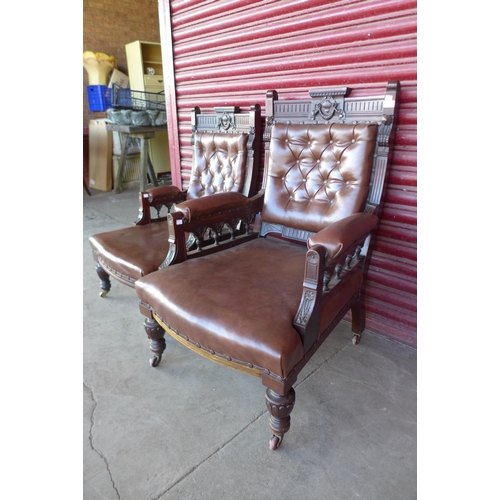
column 91, row 437
column 190, row 471
column 193, row 469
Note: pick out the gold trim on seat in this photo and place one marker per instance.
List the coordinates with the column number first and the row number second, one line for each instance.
column 212, row 355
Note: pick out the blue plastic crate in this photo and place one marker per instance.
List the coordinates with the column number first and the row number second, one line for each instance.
column 121, row 97
column 99, row 97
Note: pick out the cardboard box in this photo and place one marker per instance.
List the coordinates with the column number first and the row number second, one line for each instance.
column 119, row 78
column 100, row 157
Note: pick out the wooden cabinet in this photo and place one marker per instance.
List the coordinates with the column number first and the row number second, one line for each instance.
column 145, row 73
column 154, row 83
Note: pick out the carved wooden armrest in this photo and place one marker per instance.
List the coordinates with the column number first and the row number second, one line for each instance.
column 208, row 206
column 216, row 222
column 165, row 192
column 342, row 236
column 333, row 253
column 158, row 197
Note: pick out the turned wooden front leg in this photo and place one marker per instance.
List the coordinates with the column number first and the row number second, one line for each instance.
column 105, row 282
column 279, row 408
column 157, row 344
column 358, row 318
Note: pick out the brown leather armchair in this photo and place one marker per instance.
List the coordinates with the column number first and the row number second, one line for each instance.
column 226, row 151
column 265, row 300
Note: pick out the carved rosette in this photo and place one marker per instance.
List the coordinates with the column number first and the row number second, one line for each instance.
column 225, row 122
column 312, row 258
column 327, row 109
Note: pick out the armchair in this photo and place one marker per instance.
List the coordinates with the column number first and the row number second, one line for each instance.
column 264, row 300
column 226, row 150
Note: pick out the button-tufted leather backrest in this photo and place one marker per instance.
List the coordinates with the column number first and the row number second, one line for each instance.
column 219, row 164
column 317, row 173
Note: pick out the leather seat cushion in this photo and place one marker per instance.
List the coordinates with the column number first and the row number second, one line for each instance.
column 238, row 303
column 134, row 251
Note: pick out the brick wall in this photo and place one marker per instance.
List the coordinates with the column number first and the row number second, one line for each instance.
column 108, row 25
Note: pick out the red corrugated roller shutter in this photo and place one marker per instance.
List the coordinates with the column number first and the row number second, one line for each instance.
column 231, row 52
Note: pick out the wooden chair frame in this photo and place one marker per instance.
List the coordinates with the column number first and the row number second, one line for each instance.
column 332, row 257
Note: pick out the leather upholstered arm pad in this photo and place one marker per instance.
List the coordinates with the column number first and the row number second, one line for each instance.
column 207, row 205
column 340, row 235
column 163, row 192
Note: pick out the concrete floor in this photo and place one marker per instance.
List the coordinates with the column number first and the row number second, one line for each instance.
column 193, row 429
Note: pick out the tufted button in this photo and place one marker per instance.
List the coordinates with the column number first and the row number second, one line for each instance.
column 354, row 140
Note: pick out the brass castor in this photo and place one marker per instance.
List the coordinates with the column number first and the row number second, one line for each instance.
column 103, row 293
column 356, row 338
column 275, row 441
column 155, row 361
